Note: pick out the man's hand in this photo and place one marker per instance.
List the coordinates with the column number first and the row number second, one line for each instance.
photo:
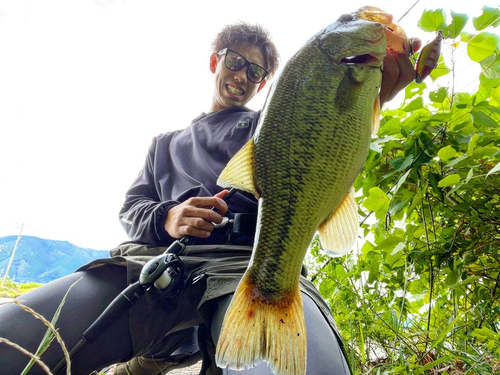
column 194, row 217
column 398, row 73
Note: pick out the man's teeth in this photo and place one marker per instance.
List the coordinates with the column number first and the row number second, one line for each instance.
column 235, row 90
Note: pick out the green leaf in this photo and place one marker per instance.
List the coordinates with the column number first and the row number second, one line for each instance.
column 482, row 152
column 414, row 105
column 447, row 152
column 440, row 70
column 484, row 118
column 434, row 178
column 413, row 89
column 389, row 243
column 482, row 46
column 458, row 22
column 391, row 127
column 432, row 20
column 451, row 279
column 469, row 280
column 428, row 366
column 401, row 163
column 399, row 247
column 490, row 17
column 495, row 96
column 374, row 269
column 449, row 180
column 377, row 202
column 340, row 271
column 472, row 144
column 491, row 66
column 397, row 206
column 439, row 96
column 456, row 161
column 367, row 246
column 401, row 181
column 466, row 37
column 495, row 169
column 488, row 83
column 445, row 332
column 485, row 333
column 469, row 175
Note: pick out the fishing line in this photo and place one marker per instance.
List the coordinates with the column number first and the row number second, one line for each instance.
column 408, row 11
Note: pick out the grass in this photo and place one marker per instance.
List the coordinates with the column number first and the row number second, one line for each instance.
column 12, row 289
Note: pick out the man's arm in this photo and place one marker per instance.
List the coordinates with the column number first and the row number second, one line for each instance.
column 147, row 219
column 143, row 214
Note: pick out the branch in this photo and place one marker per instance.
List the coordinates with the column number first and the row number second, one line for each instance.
column 24, row 351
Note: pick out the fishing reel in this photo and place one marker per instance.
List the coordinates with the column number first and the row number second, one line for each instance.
column 162, row 275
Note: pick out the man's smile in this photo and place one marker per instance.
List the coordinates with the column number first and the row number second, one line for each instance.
column 235, row 90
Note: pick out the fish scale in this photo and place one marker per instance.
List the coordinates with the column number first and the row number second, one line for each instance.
column 311, row 142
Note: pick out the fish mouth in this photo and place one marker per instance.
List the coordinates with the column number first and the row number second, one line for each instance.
column 365, row 59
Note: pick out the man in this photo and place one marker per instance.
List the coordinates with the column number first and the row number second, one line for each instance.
column 171, row 198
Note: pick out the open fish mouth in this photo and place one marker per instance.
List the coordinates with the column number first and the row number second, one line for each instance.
column 365, row 59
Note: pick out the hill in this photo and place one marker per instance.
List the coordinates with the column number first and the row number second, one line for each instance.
column 40, row 260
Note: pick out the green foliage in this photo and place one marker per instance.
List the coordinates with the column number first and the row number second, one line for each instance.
column 490, row 17
column 482, row 46
column 12, row 289
column 50, row 335
column 421, row 293
column 456, row 26
column 432, row 20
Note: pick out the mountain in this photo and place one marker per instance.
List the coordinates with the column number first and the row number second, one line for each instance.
column 41, row 260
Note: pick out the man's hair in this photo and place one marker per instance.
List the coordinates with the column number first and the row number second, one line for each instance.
column 244, row 33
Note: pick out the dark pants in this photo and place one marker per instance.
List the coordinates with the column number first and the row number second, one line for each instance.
column 90, row 297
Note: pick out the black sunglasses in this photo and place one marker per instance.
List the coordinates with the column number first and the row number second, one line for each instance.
column 235, row 62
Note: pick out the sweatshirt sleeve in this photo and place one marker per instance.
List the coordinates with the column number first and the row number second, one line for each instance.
column 143, row 214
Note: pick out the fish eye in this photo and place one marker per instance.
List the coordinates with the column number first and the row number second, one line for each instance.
column 346, row 18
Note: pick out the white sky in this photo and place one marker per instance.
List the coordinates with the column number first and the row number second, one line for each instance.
column 85, row 85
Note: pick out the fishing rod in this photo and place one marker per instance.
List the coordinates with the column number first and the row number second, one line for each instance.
column 160, row 276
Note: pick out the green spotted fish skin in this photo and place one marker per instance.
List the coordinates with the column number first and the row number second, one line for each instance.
column 313, row 138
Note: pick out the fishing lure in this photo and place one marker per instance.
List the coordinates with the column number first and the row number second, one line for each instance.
column 428, row 58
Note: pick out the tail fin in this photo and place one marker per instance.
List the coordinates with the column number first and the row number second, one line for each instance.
column 254, row 331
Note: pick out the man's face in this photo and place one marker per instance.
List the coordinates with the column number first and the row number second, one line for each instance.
column 234, row 88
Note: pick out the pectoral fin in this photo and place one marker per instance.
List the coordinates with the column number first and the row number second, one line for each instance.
column 238, row 173
column 347, row 92
column 339, row 232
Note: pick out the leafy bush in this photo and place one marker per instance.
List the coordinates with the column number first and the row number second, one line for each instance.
column 421, row 292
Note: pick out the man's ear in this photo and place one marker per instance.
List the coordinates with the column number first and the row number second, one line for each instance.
column 213, row 62
column 261, row 85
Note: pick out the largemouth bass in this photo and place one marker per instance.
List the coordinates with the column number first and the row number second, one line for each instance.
column 313, row 138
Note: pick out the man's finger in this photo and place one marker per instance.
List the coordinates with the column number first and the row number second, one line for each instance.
column 221, row 194
column 209, row 202
column 199, row 223
column 390, row 76
column 203, row 213
column 406, row 75
column 416, row 44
